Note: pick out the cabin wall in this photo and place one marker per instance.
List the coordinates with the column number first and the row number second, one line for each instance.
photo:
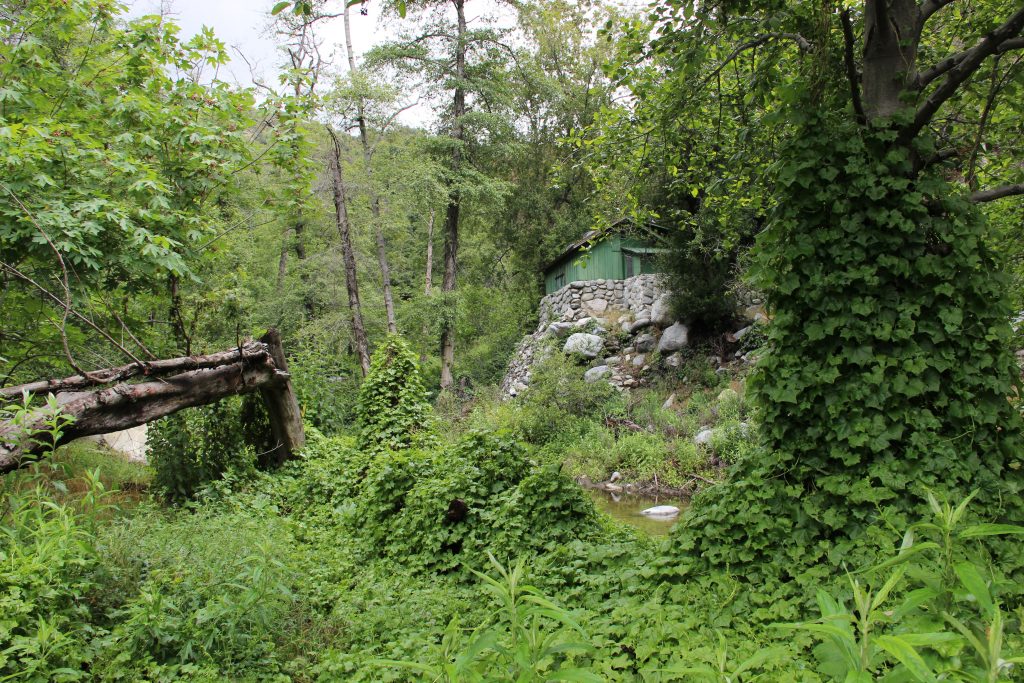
column 603, row 262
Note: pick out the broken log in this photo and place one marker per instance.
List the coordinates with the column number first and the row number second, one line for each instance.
column 250, row 350
column 282, row 406
column 255, row 366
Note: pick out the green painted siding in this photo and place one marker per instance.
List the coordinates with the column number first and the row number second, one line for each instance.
column 605, row 261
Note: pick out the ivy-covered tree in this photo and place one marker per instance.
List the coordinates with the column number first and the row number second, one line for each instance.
column 888, row 370
column 393, row 411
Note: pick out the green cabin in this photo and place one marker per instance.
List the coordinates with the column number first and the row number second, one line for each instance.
column 614, row 255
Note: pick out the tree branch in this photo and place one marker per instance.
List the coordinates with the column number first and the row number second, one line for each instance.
column 929, row 75
column 997, row 193
column 801, row 42
column 927, row 9
column 960, row 72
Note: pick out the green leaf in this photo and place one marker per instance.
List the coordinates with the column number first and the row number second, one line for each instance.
column 907, row 656
column 575, row 676
column 981, row 530
column 974, row 582
column 279, row 7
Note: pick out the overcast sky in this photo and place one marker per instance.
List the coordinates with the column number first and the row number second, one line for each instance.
column 242, row 25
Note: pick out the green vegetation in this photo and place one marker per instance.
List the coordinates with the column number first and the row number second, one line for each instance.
column 836, row 187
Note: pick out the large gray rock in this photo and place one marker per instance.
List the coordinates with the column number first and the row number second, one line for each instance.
column 644, row 343
column 661, row 312
column 587, row 345
column 674, row 338
column 595, row 374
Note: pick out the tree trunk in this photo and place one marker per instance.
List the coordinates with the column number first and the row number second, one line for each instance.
column 428, row 280
column 451, row 233
column 428, row 283
column 122, row 406
column 282, row 261
column 249, row 352
column 176, row 317
column 282, row 406
column 891, row 35
column 378, row 227
column 348, row 255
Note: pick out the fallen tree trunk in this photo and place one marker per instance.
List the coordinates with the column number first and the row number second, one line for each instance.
column 157, row 368
column 255, row 366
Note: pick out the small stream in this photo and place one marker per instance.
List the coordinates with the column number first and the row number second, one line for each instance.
column 626, row 507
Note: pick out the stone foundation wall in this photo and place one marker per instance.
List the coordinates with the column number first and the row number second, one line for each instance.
column 597, row 298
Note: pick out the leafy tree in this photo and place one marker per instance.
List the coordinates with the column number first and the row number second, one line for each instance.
column 115, row 146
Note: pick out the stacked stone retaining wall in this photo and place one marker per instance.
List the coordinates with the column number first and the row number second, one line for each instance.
column 598, row 298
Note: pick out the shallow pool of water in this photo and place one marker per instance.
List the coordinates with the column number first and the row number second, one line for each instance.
column 626, row 508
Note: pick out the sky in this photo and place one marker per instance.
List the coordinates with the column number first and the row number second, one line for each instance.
column 242, row 25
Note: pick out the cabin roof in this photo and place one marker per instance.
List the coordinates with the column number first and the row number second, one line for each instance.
column 596, row 235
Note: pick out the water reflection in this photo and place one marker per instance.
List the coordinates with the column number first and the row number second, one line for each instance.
column 626, row 508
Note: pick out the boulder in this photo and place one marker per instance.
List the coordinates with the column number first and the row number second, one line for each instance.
column 670, row 402
column 615, row 476
column 644, row 343
column 661, row 311
column 597, row 306
column 639, row 360
column 587, row 345
column 674, row 361
column 638, row 325
column 704, row 437
column 674, row 338
column 728, row 394
column 595, row 374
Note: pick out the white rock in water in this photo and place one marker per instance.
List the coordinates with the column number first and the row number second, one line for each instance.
column 661, row 511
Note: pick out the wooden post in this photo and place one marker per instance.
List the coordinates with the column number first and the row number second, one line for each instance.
column 282, row 406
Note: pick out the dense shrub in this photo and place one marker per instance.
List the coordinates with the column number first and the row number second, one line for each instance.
column 196, row 446
column 48, row 566
column 326, row 389
column 393, row 411
column 701, row 268
column 442, row 509
column 210, row 591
